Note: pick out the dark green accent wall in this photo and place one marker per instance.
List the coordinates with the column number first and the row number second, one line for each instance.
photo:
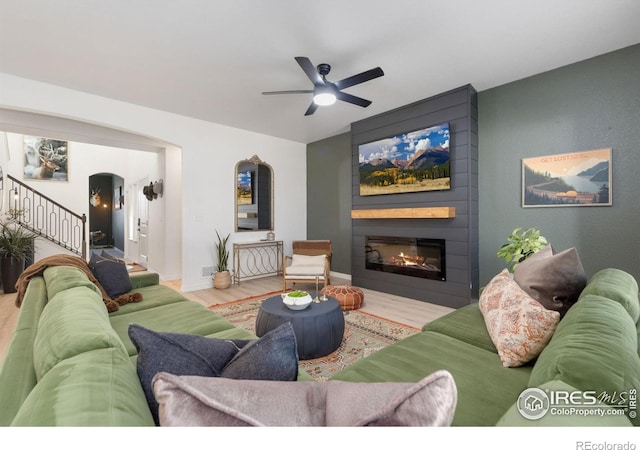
column 100, row 218
column 329, row 197
column 587, row 105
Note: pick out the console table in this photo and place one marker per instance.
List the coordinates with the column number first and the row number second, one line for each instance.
column 251, row 259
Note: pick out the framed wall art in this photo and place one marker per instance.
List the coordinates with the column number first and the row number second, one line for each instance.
column 567, row 179
column 45, row 159
column 117, row 198
column 410, row 162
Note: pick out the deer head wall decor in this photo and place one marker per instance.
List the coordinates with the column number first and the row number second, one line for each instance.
column 95, row 199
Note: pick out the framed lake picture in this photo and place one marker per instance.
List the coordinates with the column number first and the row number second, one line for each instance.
column 410, row 162
column 567, row 179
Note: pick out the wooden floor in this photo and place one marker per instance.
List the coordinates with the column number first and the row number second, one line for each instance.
column 403, row 310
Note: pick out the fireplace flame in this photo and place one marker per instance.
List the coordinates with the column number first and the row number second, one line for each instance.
column 410, row 260
column 413, row 261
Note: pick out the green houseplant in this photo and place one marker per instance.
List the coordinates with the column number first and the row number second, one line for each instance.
column 520, row 245
column 222, row 277
column 16, row 245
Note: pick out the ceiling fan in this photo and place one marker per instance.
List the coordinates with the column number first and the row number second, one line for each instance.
column 325, row 92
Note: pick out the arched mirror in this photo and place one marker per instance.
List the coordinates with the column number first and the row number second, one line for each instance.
column 254, row 195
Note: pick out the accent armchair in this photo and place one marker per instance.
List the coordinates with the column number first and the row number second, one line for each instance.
column 310, row 260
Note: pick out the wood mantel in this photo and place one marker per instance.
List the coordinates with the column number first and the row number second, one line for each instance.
column 438, row 212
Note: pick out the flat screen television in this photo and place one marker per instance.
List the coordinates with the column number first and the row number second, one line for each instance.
column 410, row 162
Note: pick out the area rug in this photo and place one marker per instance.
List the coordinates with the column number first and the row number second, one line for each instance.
column 364, row 334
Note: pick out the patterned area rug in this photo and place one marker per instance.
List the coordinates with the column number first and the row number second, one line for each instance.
column 364, row 334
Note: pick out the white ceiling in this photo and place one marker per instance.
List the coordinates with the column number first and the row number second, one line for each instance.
column 212, row 59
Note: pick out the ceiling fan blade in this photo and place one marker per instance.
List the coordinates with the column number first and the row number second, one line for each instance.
column 352, row 99
column 311, row 109
column 360, row 78
column 311, row 71
column 303, row 91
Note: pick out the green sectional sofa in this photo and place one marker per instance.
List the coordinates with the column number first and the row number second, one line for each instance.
column 70, row 363
column 594, row 350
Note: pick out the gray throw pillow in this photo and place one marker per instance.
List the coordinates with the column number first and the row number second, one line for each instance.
column 187, row 354
column 199, row 401
column 113, row 276
column 553, row 279
column 94, row 259
column 272, row 357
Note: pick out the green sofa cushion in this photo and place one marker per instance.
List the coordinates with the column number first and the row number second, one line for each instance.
column 97, row 388
column 616, row 285
column 17, row 374
column 144, row 279
column 181, row 317
column 73, row 322
column 61, row 278
column 152, row 296
column 465, row 324
column 482, row 399
column 595, row 347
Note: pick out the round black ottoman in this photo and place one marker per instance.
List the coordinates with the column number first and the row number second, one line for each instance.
column 319, row 328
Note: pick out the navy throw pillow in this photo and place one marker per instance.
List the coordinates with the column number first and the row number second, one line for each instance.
column 113, row 276
column 94, row 259
column 178, row 354
column 272, row 357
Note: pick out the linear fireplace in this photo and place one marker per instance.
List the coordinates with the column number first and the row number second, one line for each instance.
column 416, row 257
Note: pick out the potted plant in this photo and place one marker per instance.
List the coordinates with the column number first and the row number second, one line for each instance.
column 16, row 245
column 520, row 245
column 222, row 277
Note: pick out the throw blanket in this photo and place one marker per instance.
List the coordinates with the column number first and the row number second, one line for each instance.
column 37, row 268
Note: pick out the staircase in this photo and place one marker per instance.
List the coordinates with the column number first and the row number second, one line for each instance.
column 47, row 218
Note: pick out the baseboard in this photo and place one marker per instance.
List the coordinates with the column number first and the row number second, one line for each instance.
column 344, row 276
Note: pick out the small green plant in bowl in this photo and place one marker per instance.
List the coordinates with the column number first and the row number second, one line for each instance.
column 298, row 294
column 297, row 299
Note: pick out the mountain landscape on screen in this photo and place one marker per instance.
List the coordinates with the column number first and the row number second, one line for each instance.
column 411, row 162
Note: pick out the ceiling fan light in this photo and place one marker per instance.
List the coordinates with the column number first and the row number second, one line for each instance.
column 324, row 98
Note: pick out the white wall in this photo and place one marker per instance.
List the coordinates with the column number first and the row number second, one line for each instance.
column 84, row 160
column 209, row 152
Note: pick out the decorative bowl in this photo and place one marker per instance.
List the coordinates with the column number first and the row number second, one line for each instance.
column 297, row 300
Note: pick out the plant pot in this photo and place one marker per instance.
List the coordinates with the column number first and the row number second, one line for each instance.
column 10, row 267
column 222, row 280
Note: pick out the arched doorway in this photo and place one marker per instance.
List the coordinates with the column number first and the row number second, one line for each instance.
column 106, row 214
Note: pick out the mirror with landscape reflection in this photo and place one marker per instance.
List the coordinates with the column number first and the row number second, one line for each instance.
column 254, row 195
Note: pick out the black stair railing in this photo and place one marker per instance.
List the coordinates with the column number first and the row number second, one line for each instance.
column 47, row 218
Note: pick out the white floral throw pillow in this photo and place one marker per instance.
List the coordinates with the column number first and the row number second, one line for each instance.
column 519, row 326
